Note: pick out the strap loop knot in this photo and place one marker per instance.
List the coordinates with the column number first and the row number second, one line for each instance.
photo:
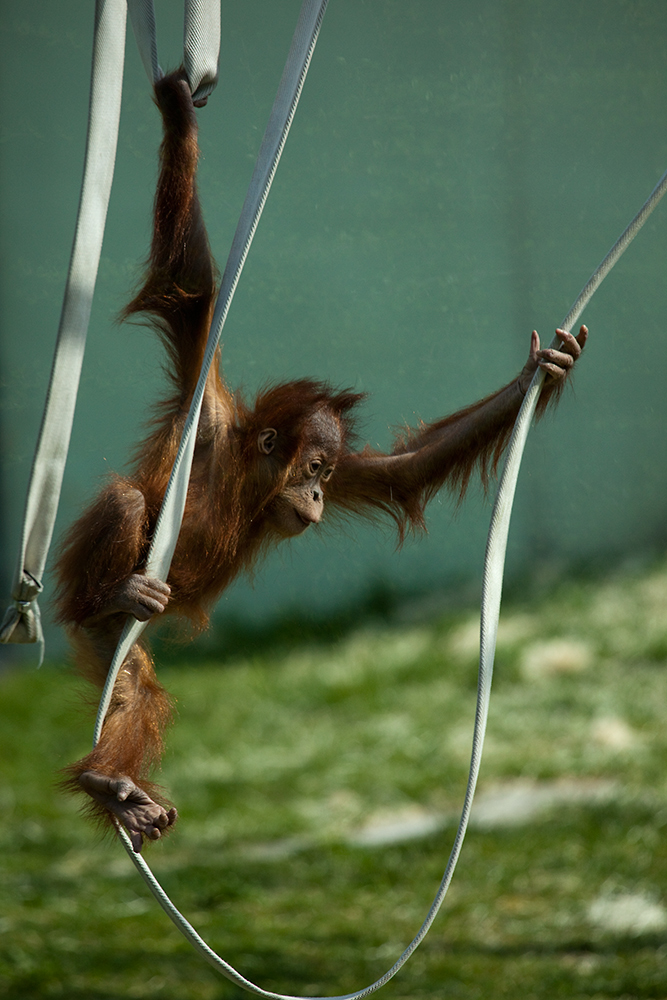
column 22, row 622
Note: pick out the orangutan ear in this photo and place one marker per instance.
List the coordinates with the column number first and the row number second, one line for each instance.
column 266, row 440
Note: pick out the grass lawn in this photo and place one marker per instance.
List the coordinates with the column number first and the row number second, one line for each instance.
column 318, row 789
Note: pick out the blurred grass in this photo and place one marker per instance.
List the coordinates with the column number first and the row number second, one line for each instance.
column 303, row 777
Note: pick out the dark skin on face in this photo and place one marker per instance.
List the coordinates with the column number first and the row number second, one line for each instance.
column 260, row 475
column 301, row 501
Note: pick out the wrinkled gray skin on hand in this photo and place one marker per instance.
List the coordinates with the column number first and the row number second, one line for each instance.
column 556, row 362
column 140, row 596
column 133, row 807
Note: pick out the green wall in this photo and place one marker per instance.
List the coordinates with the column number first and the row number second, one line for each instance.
column 454, row 174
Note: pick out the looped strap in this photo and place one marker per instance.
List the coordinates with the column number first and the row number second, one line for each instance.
column 22, row 622
column 201, row 43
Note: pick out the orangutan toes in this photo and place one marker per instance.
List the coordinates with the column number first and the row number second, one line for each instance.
column 131, row 805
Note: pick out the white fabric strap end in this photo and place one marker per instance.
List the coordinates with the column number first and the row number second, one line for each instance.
column 22, row 621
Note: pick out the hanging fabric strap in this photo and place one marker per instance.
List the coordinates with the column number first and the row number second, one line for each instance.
column 142, row 16
column 496, row 546
column 201, row 47
column 21, row 622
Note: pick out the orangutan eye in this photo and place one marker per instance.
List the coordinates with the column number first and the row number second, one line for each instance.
column 327, row 474
column 314, row 467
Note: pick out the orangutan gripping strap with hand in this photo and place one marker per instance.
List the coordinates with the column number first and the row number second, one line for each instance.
column 260, row 475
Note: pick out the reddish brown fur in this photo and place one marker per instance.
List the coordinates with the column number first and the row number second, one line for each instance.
column 133, row 733
column 225, row 526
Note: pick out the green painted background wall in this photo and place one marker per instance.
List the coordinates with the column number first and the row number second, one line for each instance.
column 454, row 174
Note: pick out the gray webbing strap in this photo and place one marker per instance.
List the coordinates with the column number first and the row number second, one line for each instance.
column 201, row 43
column 494, row 563
column 142, row 16
column 21, row 622
column 496, row 546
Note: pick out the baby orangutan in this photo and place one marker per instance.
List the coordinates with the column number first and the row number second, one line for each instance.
column 260, row 474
